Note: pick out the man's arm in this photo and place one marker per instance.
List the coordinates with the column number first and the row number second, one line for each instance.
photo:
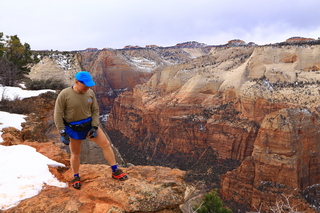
column 59, row 112
column 95, row 112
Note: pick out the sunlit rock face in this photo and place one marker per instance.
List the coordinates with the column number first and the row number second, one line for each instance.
column 114, row 71
column 55, row 66
column 182, row 110
column 117, row 71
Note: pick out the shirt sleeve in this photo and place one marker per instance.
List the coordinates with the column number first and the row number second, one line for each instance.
column 95, row 111
column 59, row 111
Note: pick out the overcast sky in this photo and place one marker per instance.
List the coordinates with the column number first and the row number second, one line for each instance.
column 80, row 24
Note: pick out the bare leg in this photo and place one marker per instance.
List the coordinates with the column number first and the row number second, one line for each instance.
column 104, row 144
column 75, row 148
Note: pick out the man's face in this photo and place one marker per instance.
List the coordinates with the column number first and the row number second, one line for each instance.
column 82, row 88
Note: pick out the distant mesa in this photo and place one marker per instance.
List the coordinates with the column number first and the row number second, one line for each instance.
column 138, row 47
column 298, row 39
column 236, row 41
column 191, row 44
column 151, row 46
column 132, row 47
column 252, row 44
column 91, row 49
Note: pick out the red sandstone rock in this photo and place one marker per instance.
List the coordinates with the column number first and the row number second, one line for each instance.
column 148, row 189
column 231, row 138
column 284, row 160
column 238, row 41
column 298, row 39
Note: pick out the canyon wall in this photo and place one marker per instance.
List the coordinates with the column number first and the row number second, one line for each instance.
column 284, row 163
column 114, row 71
column 254, row 105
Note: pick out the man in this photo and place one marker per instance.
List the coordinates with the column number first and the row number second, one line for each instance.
column 76, row 115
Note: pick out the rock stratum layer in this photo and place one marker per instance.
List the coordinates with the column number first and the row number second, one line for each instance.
column 114, row 71
column 284, row 162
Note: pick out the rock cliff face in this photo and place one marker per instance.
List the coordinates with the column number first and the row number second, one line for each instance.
column 184, row 110
column 284, row 162
column 55, row 65
column 117, row 71
column 257, row 105
column 114, row 71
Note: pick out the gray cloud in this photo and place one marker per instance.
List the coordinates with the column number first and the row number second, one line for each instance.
column 72, row 25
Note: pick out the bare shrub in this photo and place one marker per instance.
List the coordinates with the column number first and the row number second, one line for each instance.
column 45, row 84
column 284, row 205
column 8, row 72
column 17, row 105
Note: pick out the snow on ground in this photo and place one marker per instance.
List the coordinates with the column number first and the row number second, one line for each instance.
column 10, row 120
column 11, row 93
column 24, row 171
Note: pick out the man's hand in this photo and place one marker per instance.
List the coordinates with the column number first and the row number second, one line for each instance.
column 93, row 132
column 64, row 137
column 62, row 132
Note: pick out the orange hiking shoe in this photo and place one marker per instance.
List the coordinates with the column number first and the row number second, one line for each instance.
column 76, row 183
column 119, row 175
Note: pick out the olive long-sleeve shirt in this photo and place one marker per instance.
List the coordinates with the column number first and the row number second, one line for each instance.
column 73, row 106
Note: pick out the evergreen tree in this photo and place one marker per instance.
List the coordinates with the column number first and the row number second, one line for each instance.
column 19, row 54
column 211, row 203
column 14, row 59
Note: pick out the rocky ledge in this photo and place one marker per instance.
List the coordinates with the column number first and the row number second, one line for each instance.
column 148, row 189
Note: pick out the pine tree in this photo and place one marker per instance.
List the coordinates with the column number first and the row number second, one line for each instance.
column 14, row 59
column 211, row 203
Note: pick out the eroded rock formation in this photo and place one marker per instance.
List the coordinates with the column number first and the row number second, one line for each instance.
column 218, row 105
column 284, row 162
column 114, row 71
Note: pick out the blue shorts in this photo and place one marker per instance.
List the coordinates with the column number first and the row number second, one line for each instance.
column 78, row 135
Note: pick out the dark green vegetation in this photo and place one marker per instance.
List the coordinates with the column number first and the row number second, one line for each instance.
column 15, row 59
column 211, row 203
